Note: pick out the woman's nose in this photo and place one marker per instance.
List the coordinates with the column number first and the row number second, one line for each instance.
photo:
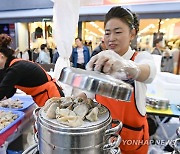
column 112, row 37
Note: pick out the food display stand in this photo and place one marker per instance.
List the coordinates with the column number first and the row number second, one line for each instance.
column 92, row 136
column 18, row 127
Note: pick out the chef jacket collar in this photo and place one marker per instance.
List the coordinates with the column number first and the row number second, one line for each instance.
column 128, row 54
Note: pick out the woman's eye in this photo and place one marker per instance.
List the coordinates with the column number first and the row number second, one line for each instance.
column 118, row 32
column 107, row 33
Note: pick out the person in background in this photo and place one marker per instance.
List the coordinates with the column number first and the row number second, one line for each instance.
column 167, row 62
column 80, row 54
column 158, row 46
column 99, row 48
column 50, row 54
column 35, row 54
column 44, row 56
column 89, row 45
column 24, row 75
column 24, row 55
column 55, row 56
column 121, row 26
column 30, row 53
column 176, row 57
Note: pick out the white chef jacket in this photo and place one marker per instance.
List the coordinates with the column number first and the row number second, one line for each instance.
column 142, row 57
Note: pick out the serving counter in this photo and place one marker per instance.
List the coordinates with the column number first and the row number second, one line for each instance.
column 162, row 116
column 21, row 126
column 172, row 111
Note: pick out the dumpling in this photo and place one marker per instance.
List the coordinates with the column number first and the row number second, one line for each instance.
column 51, row 111
column 93, row 115
column 73, row 121
column 50, row 101
column 64, row 113
column 81, row 110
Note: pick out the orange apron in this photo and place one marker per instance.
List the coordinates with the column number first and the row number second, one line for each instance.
column 40, row 93
column 134, row 134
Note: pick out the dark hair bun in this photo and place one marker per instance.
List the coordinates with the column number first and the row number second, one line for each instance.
column 5, row 40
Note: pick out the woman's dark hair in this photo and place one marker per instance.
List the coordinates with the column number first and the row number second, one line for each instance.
column 5, row 42
column 124, row 14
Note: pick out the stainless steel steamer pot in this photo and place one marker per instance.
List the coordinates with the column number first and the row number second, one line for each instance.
column 97, row 83
column 90, row 138
column 157, row 103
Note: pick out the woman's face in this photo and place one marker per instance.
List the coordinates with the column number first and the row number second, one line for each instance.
column 2, row 60
column 118, row 36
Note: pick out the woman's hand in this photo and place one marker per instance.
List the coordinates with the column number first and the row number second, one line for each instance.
column 111, row 63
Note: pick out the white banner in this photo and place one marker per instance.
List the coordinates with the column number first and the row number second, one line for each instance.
column 65, row 20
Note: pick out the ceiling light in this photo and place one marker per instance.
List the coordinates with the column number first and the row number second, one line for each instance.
column 162, row 22
column 101, row 30
column 93, row 34
column 147, row 28
column 94, row 25
column 86, row 30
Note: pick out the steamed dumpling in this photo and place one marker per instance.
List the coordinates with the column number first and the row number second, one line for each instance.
column 64, row 112
column 73, row 121
column 81, row 110
column 51, row 111
column 51, row 101
column 93, row 115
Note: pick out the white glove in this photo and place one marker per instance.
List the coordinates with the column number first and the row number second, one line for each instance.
column 111, row 63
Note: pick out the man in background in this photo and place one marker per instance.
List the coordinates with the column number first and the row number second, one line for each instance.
column 80, row 54
column 99, row 48
column 158, row 46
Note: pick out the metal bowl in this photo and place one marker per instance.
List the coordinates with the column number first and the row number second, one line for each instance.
column 97, row 83
column 157, row 103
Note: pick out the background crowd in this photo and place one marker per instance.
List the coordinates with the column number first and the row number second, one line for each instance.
column 82, row 51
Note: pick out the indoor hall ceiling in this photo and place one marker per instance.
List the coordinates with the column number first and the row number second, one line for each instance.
column 147, row 26
column 90, row 27
column 153, row 25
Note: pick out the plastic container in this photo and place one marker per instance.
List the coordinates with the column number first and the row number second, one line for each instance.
column 169, row 77
column 26, row 99
column 168, row 90
column 20, row 116
column 165, row 85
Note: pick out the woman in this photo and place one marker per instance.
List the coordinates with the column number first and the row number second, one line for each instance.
column 121, row 27
column 80, row 54
column 24, row 75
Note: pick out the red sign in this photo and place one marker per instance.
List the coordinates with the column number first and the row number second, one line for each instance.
column 122, row 2
column 110, row 2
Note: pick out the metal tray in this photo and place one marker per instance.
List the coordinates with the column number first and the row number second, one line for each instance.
column 20, row 117
column 97, row 83
column 26, row 100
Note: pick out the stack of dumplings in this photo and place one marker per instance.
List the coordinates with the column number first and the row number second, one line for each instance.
column 72, row 111
column 6, row 117
column 10, row 103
